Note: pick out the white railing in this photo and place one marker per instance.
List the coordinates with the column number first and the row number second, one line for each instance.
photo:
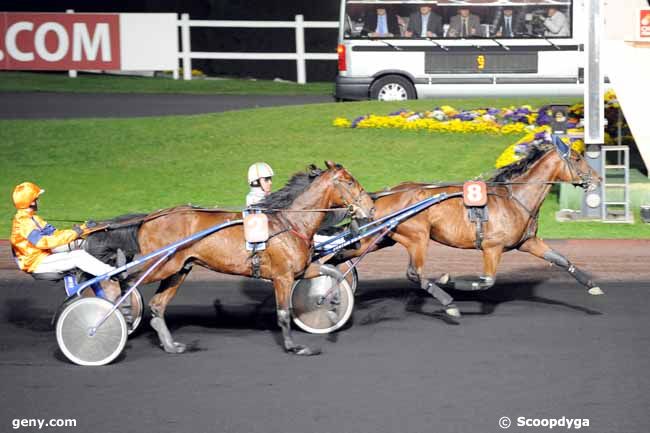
column 300, row 56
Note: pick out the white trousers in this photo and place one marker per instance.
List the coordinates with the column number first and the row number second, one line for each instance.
column 65, row 261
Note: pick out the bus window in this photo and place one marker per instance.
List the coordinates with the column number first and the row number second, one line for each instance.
column 458, row 19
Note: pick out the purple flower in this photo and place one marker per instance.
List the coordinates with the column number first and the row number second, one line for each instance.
column 356, row 121
column 542, row 135
column 543, row 117
column 398, row 112
column 465, row 116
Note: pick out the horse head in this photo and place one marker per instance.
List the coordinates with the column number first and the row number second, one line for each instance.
column 347, row 192
column 575, row 168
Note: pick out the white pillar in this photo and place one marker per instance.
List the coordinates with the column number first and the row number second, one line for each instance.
column 186, row 48
column 300, row 49
column 71, row 73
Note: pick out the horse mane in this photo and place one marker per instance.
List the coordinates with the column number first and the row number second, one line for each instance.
column 518, row 168
column 284, row 197
column 104, row 244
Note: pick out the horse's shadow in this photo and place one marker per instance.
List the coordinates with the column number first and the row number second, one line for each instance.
column 385, row 300
column 23, row 313
column 376, row 301
column 257, row 314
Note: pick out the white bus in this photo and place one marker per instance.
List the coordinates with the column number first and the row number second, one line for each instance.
column 399, row 50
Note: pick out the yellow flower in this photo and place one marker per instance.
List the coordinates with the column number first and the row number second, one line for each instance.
column 341, row 122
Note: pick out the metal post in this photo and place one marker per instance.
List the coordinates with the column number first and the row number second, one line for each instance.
column 186, row 48
column 300, row 49
column 594, row 105
column 72, row 73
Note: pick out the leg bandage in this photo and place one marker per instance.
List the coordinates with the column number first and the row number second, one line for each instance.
column 558, row 259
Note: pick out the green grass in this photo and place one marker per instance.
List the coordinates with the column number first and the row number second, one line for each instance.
column 102, row 168
column 85, row 83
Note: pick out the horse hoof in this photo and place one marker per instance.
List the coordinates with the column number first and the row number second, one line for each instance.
column 443, row 280
column 176, row 347
column 453, row 312
column 305, row 351
column 596, row 291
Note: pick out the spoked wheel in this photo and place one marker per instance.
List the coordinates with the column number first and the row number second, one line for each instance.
column 352, row 277
column 314, row 314
column 79, row 344
column 133, row 310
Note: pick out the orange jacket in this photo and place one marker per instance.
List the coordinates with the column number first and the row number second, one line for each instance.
column 32, row 238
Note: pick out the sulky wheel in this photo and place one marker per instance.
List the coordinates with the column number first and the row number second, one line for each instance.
column 352, row 277
column 79, row 344
column 328, row 316
column 132, row 310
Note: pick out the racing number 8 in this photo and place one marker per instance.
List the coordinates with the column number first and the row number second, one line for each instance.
column 475, row 193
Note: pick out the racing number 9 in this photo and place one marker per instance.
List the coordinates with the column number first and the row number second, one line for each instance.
column 475, row 193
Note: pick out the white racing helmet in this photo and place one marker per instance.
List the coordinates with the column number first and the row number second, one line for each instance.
column 258, row 171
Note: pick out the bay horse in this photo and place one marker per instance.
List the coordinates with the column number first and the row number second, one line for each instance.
column 295, row 213
column 515, row 196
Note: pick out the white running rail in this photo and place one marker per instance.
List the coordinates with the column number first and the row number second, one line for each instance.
column 300, row 56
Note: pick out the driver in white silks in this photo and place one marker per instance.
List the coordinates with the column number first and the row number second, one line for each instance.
column 260, row 180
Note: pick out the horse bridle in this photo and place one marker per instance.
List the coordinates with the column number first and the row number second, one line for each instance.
column 356, row 201
column 586, row 179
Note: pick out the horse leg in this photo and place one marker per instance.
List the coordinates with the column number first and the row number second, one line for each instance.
column 282, row 286
column 158, row 304
column 415, row 273
column 538, row 248
column 491, row 258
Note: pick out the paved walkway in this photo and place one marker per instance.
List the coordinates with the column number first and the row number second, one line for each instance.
column 53, row 105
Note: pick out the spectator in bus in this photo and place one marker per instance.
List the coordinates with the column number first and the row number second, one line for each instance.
column 424, row 24
column 381, row 24
column 464, row 25
column 557, row 25
column 507, row 25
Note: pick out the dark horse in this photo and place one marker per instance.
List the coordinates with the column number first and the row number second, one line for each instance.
column 295, row 214
column 515, row 195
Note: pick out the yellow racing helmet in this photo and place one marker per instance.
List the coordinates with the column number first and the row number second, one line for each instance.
column 25, row 194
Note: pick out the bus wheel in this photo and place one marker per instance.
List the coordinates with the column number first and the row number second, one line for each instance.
column 392, row 88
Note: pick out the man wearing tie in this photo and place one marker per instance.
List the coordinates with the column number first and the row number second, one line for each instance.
column 381, row 24
column 424, row 24
column 464, row 25
column 506, row 27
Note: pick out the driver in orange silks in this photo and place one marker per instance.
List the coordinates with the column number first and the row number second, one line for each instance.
column 39, row 247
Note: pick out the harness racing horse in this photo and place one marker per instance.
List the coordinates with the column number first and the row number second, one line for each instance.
column 295, row 213
column 515, row 195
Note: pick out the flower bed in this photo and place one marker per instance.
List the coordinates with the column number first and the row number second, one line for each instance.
column 534, row 124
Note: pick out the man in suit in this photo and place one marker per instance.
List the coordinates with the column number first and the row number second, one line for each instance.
column 381, row 24
column 507, row 25
column 464, row 25
column 424, row 24
column 557, row 25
